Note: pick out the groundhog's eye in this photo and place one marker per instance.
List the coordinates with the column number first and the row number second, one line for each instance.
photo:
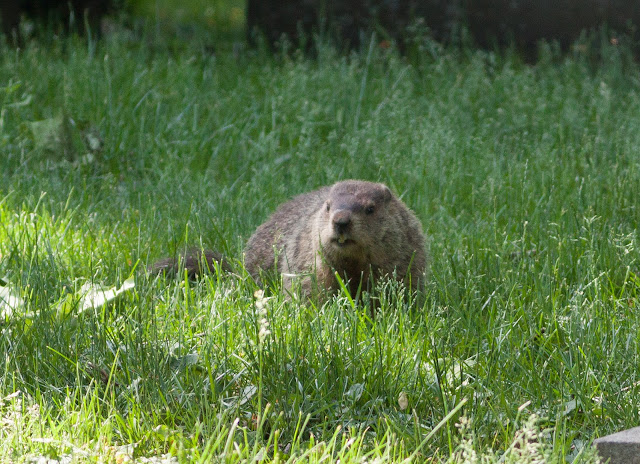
column 369, row 209
column 328, row 206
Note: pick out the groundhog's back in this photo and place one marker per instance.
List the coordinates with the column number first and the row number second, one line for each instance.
column 291, row 221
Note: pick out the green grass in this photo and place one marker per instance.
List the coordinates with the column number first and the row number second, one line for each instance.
column 526, row 179
column 221, row 14
column 219, row 23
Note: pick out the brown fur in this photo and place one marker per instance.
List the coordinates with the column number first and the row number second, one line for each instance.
column 356, row 228
column 195, row 262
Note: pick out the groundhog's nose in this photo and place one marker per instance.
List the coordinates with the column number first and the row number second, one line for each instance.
column 341, row 221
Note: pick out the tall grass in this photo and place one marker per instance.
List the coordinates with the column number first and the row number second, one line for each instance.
column 525, row 178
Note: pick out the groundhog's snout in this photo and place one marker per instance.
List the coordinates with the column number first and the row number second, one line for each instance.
column 341, row 221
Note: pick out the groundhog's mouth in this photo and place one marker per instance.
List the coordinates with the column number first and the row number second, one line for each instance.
column 342, row 241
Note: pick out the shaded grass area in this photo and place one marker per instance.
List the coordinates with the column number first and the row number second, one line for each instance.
column 524, row 177
column 218, row 25
column 221, row 14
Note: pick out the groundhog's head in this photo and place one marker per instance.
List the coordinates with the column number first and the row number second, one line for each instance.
column 352, row 218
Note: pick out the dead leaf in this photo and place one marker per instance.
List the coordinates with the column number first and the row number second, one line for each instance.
column 10, row 301
column 95, row 296
column 403, row 401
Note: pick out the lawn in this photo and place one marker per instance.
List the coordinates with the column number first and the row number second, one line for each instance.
column 524, row 345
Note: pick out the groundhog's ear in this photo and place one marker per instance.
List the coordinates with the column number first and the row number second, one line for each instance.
column 387, row 193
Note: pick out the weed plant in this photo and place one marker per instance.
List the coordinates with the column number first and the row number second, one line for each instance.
column 523, row 347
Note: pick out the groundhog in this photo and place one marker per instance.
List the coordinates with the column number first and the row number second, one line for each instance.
column 358, row 229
